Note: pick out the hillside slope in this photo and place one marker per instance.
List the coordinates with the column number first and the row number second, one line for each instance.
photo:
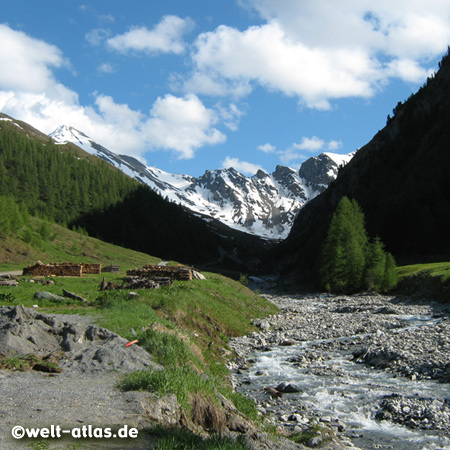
column 400, row 179
column 69, row 186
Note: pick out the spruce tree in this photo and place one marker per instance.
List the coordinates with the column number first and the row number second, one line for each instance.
column 343, row 254
column 375, row 265
column 349, row 262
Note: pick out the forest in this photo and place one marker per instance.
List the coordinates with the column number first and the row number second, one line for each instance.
column 60, row 184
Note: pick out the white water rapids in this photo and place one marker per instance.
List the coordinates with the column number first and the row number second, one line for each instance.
column 347, row 391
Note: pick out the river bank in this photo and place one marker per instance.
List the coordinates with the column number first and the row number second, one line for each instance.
column 373, row 368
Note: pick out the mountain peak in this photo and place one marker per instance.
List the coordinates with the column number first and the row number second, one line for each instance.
column 264, row 205
column 67, row 133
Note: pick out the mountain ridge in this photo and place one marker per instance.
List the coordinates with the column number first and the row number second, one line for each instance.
column 401, row 181
column 264, row 205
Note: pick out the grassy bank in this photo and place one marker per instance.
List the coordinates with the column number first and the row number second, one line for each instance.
column 428, row 281
column 53, row 243
column 186, row 326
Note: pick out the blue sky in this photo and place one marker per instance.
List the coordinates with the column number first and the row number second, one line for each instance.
column 202, row 84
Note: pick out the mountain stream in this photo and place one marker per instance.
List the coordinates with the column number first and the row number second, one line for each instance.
column 375, row 369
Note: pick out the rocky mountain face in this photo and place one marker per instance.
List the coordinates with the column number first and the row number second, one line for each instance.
column 400, row 179
column 264, row 205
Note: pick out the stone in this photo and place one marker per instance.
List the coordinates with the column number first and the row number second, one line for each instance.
column 314, row 441
column 264, row 325
column 288, row 388
column 288, row 343
column 49, row 296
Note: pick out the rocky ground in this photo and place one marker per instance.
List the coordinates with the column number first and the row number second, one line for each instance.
column 378, row 331
column 82, row 390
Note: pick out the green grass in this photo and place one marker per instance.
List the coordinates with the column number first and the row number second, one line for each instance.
column 441, row 269
column 180, row 439
column 182, row 381
column 186, row 326
column 64, row 245
column 429, row 281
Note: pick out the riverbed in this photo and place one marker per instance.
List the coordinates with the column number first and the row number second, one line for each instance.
column 375, row 369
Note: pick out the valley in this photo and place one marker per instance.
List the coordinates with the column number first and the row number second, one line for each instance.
column 364, row 370
column 263, row 205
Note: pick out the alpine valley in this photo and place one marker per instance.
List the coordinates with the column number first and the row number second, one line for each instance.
column 264, row 205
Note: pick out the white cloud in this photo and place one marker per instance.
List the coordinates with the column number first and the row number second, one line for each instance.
column 106, row 68
column 312, row 144
column 290, row 155
column 230, row 115
column 334, row 145
column 322, row 50
column 295, row 153
column 267, row 148
column 26, row 63
column 177, row 124
column 267, row 56
column 97, row 36
column 401, row 29
column 165, row 37
column 181, row 125
column 244, row 167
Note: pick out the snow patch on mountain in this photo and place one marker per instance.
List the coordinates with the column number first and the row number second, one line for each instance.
column 264, row 204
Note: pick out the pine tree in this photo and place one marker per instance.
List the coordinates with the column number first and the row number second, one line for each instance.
column 349, row 262
column 343, row 254
column 375, row 265
column 390, row 277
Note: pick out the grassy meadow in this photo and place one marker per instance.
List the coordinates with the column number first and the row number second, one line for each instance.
column 186, row 326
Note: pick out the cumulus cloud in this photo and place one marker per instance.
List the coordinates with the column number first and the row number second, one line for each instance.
column 177, row 124
column 312, row 144
column 321, row 51
column 181, row 124
column 267, row 148
column 165, row 37
column 27, row 63
column 244, row 167
column 298, row 151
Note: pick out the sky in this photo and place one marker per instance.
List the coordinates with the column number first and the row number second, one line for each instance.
column 192, row 85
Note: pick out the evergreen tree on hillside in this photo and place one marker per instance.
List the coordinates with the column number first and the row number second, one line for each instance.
column 375, row 265
column 349, row 262
column 343, row 254
column 12, row 216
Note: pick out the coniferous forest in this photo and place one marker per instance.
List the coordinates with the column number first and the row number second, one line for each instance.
column 64, row 185
column 53, row 181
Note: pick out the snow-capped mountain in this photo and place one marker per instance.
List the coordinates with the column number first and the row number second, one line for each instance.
column 264, row 204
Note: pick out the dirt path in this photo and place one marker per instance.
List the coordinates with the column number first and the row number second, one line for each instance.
column 84, row 393
column 34, row 399
column 13, row 273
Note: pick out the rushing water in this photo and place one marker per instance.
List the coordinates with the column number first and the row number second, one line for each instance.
column 349, row 392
